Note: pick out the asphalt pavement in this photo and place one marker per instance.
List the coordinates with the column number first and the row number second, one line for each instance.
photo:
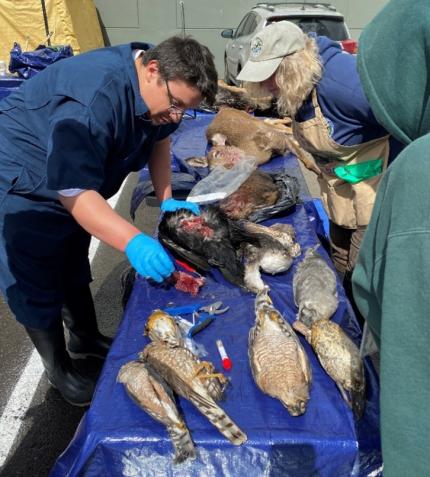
column 36, row 425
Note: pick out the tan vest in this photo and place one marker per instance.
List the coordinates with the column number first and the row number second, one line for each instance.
column 348, row 205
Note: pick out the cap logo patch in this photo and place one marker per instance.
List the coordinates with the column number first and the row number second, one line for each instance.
column 256, row 47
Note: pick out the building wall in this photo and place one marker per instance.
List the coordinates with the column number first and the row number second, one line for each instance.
column 155, row 20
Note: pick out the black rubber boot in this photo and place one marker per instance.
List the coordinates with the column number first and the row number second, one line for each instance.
column 50, row 344
column 79, row 316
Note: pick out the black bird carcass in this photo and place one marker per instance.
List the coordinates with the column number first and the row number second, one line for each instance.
column 240, row 249
column 203, row 241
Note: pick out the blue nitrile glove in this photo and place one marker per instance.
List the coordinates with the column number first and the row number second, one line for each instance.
column 171, row 205
column 149, row 258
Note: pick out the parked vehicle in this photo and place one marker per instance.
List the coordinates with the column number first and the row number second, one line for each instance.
column 321, row 18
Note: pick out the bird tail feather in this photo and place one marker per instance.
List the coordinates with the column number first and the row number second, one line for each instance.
column 221, row 421
column 182, row 443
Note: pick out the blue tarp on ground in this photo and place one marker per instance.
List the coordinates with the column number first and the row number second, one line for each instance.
column 116, row 438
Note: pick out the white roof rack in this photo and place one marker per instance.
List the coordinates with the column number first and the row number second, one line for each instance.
column 272, row 5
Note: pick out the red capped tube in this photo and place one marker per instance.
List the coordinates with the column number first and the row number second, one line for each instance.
column 225, row 360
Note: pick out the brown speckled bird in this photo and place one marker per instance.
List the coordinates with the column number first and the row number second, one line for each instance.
column 188, row 376
column 278, row 361
column 163, row 328
column 340, row 358
column 153, row 395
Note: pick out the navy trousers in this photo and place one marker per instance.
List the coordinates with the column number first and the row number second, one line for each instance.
column 43, row 253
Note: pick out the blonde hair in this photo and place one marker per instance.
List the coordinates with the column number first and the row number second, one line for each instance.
column 296, row 77
column 259, row 95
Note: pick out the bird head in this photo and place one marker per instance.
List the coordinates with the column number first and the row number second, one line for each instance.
column 296, row 401
column 160, row 326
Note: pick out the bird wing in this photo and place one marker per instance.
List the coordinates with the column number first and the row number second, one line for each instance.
column 198, row 262
column 251, row 355
column 189, row 386
column 303, row 357
column 149, row 391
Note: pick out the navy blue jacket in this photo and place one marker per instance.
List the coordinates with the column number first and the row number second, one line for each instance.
column 77, row 124
column 342, row 100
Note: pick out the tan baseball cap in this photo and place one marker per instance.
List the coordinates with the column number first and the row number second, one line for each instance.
column 268, row 48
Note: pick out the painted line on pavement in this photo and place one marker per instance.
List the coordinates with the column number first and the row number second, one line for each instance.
column 23, row 393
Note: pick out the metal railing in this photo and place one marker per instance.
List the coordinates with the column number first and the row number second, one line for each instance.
column 271, row 5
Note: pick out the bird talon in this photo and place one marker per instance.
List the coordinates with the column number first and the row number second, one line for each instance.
column 208, row 369
column 219, row 376
column 204, row 366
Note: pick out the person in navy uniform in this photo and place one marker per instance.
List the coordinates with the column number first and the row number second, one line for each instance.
column 68, row 139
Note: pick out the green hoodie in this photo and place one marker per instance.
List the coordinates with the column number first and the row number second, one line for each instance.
column 391, row 280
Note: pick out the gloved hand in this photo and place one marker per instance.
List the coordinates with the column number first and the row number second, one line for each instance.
column 170, row 205
column 149, row 258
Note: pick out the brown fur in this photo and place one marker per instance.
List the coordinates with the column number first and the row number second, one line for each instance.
column 258, row 190
column 252, row 135
column 261, row 139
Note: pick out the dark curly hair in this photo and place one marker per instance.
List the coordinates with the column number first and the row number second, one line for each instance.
column 188, row 60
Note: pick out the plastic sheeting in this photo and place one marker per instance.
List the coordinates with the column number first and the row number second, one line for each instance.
column 28, row 63
column 117, row 438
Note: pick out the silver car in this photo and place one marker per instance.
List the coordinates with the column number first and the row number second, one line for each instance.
column 321, row 18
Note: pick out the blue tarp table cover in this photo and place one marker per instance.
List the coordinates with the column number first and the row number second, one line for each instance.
column 117, row 438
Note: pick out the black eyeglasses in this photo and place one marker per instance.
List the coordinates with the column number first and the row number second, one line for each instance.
column 175, row 109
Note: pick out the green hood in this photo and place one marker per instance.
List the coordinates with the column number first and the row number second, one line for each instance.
column 394, row 66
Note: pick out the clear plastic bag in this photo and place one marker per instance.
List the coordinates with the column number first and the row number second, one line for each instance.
column 197, row 349
column 222, row 182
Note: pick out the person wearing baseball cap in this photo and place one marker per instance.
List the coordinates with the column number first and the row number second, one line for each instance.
column 269, row 48
column 316, row 83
